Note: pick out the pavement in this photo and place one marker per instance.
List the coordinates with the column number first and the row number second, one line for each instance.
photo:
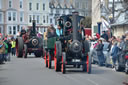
column 32, row 71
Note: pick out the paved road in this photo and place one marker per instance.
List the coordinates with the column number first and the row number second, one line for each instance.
column 32, row 71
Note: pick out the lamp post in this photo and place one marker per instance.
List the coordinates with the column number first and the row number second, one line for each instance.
column 113, row 11
column 111, row 21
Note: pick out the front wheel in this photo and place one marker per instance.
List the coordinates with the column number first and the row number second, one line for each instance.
column 63, row 65
column 58, row 54
column 126, row 67
column 49, row 60
column 88, row 62
column 25, row 51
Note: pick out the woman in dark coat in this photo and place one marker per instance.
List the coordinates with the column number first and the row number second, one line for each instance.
column 9, row 49
column 100, row 52
column 114, row 53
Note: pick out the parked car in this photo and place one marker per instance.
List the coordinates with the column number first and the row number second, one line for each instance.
column 122, row 63
column 105, row 52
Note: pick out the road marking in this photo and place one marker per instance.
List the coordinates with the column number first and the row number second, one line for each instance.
column 77, row 81
column 93, row 82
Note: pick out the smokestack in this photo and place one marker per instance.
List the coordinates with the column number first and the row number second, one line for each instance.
column 34, row 26
column 75, row 25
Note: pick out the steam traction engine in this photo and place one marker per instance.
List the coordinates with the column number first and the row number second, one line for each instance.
column 70, row 48
column 29, row 42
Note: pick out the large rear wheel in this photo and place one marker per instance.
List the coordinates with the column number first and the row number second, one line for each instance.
column 88, row 62
column 19, row 47
column 58, row 54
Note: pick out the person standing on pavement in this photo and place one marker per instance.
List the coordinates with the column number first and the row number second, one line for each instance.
column 23, row 31
column 2, row 51
column 9, row 50
column 51, row 32
column 13, row 43
column 6, row 48
column 100, row 54
column 59, row 31
column 104, row 35
column 125, row 47
column 114, row 52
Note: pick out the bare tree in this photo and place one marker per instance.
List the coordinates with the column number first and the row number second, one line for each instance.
column 87, row 22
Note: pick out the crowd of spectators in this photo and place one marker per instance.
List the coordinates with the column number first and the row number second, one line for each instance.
column 7, row 48
column 117, row 45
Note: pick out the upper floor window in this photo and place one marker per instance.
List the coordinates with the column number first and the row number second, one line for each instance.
column 47, row 19
column 0, row 4
column 14, row 16
column 21, row 3
column 1, row 17
column 43, row 6
column 51, row 20
column 34, row 17
column 57, row 11
column 14, row 30
column 30, row 18
column 10, row 3
column 9, row 16
column 38, row 19
column 1, row 29
column 37, row 6
column 43, row 19
column 30, row 6
column 9, row 29
column 51, row 11
column 63, row 11
column 21, row 16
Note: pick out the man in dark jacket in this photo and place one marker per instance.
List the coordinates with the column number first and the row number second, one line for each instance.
column 125, row 48
column 9, row 49
column 23, row 31
column 104, row 35
column 100, row 54
column 114, row 53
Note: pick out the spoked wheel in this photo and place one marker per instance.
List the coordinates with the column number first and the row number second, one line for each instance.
column 63, row 65
column 88, row 62
column 19, row 47
column 126, row 67
column 49, row 60
column 25, row 51
column 57, row 58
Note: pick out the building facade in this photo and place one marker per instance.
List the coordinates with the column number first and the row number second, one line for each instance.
column 38, row 10
column 64, row 7
column 13, row 16
column 118, row 23
column 16, row 14
column 96, row 16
